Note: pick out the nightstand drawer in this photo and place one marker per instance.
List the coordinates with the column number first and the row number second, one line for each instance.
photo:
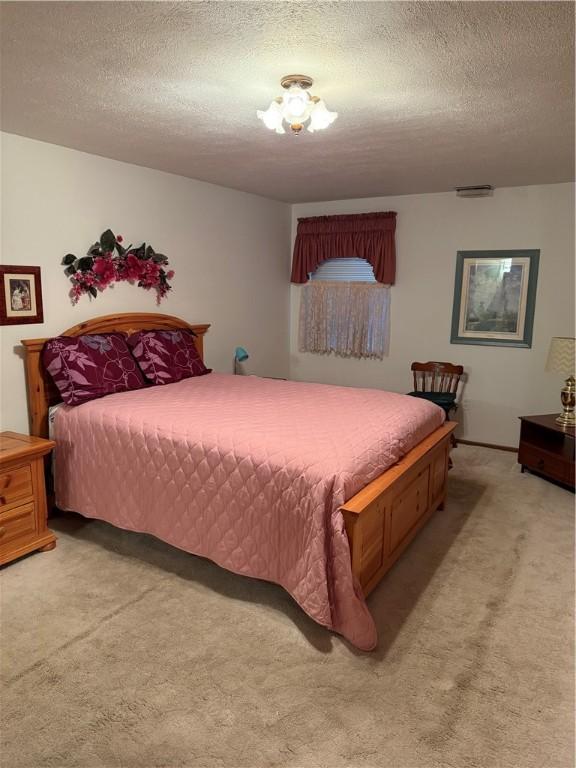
column 23, row 496
column 544, row 462
column 19, row 521
column 15, row 485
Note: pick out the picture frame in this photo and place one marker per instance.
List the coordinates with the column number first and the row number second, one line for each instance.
column 495, row 297
column 20, row 295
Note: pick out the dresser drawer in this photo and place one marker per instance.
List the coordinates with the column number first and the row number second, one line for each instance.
column 541, row 461
column 17, row 522
column 15, row 485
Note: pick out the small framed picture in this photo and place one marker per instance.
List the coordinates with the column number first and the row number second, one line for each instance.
column 495, row 298
column 20, row 295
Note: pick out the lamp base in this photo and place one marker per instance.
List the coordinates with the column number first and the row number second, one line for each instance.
column 567, row 419
column 568, row 396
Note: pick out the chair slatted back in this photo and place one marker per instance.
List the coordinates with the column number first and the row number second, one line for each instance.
column 436, row 377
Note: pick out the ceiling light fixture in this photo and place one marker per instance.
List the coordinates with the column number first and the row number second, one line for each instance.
column 297, row 107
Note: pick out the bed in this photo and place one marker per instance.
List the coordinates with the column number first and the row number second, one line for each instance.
column 272, row 479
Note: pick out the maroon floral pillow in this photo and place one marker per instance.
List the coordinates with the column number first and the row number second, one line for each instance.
column 91, row 366
column 167, row 356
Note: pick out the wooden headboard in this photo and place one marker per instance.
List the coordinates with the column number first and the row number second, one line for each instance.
column 41, row 390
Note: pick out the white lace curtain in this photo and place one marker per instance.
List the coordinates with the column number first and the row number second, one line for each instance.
column 350, row 319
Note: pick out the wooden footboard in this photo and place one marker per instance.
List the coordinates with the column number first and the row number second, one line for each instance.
column 384, row 517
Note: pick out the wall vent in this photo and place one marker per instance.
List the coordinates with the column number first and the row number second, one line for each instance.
column 484, row 190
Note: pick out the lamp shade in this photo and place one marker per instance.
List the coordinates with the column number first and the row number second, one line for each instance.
column 561, row 355
column 240, row 354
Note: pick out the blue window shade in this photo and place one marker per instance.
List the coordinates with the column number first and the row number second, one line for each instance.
column 345, row 270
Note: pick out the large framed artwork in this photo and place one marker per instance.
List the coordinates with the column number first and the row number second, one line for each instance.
column 494, row 297
column 20, row 295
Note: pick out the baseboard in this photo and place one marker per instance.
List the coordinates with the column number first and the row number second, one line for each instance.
column 510, row 448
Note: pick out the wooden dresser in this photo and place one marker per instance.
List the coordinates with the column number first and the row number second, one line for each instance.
column 547, row 448
column 23, row 496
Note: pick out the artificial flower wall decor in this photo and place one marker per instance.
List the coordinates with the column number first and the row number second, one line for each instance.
column 108, row 262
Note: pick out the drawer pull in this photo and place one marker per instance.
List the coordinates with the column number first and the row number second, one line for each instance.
column 2, row 530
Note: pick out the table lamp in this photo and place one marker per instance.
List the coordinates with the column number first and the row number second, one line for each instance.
column 240, row 355
column 561, row 360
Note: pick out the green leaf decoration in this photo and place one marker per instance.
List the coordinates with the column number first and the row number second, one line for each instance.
column 92, row 291
column 69, row 271
column 85, row 263
column 140, row 252
column 68, row 259
column 120, row 248
column 108, row 240
column 159, row 258
column 94, row 250
column 149, row 253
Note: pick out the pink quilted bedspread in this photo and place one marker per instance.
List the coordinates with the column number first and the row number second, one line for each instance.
column 248, row 472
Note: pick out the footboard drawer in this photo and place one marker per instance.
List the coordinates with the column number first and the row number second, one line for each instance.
column 382, row 519
column 408, row 508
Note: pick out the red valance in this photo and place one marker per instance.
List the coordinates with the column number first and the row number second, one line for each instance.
column 367, row 236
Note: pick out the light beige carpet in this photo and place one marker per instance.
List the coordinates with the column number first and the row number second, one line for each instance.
column 119, row 651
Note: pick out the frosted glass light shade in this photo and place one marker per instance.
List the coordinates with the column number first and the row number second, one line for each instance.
column 321, row 117
column 561, row 357
column 272, row 117
column 296, row 108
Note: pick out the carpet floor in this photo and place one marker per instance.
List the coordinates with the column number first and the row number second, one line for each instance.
column 121, row 652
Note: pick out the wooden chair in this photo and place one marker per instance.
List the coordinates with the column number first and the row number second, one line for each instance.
column 437, row 382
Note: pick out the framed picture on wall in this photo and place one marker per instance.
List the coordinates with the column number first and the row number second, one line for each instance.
column 20, row 295
column 494, row 298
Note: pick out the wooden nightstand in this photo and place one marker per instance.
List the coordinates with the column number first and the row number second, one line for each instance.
column 23, row 496
column 547, row 448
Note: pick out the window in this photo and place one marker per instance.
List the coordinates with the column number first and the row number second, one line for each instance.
column 353, row 270
column 344, row 310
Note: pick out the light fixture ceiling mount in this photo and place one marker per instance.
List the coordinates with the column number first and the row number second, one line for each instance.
column 303, row 81
column 297, row 107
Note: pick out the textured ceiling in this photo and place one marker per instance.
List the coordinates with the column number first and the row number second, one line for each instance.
column 430, row 94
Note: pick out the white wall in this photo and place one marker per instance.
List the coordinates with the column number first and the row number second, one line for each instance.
column 230, row 251
column 503, row 383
